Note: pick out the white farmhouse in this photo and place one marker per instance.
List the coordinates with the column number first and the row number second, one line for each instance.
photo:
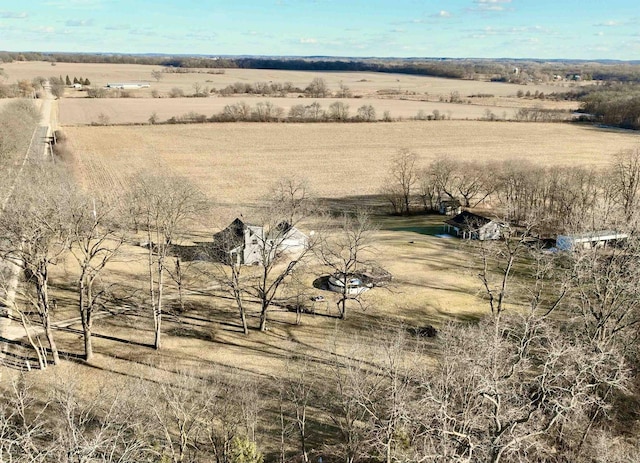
column 245, row 244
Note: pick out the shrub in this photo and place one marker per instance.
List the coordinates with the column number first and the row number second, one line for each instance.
column 97, row 92
column 244, row 450
column 366, row 113
column 176, row 92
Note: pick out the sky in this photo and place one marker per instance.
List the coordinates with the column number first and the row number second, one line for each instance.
column 545, row 29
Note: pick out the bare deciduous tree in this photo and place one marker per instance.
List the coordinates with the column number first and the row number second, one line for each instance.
column 157, row 74
column 96, row 237
column 278, row 258
column 403, row 175
column 626, row 177
column 444, row 171
column 36, row 235
column 474, row 183
column 298, row 391
column 348, row 377
column 162, row 206
column 318, row 88
column 179, row 409
column 346, row 249
column 338, row 111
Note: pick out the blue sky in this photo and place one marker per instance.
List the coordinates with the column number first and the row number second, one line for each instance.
column 580, row 29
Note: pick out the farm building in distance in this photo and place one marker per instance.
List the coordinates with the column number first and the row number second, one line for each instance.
column 468, row 225
column 128, row 85
column 588, row 240
column 244, row 244
column 449, row 207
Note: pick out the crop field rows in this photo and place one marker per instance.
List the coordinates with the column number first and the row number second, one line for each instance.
column 235, row 163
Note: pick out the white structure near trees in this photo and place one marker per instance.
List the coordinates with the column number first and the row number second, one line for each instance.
column 468, row 225
column 128, row 85
column 589, row 240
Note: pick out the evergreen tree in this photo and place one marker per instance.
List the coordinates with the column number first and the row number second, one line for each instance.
column 68, row 81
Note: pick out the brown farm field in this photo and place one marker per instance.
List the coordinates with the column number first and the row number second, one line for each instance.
column 362, row 83
column 235, row 163
column 79, row 111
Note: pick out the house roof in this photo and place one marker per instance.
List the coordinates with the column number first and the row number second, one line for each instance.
column 234, row 234
column 468, row 221
column 451, row 202
column 230, row 237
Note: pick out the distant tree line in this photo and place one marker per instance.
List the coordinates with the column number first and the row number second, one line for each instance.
column 616, row 105
column 561, row 199
column 499, row 70
column 268, row 112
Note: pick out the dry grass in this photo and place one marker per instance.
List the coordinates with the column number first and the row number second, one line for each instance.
column 433, row 282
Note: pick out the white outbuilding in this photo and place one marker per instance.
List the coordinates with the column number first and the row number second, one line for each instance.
column 589, row 240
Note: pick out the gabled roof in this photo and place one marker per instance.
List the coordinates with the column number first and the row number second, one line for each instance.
column 468, row 221
column 451, row 202
column 231, row 237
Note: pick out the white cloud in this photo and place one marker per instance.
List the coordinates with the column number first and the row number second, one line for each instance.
column 143, row 32
column 609, row 24
column 79, row 22
column 44, row 30
column 490, row 5
column 118, row 27
column 443, row 14
column 308, row 40
column 202, row 35
column 75, row 4
column 13, row 15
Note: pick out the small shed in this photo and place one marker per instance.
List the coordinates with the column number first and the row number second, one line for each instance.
column 468, row 225
column 589, row 240
column 449, row 207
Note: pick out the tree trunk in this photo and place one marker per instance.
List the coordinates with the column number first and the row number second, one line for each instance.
column 179, row 283
column 40, row 352
column 152, row 293
column 343, row 301
column 43, row 302
column 158, row 312
column 237, row 294
column 243, row 317
column 263, row 317
column 52, row 343
column 85, row 303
